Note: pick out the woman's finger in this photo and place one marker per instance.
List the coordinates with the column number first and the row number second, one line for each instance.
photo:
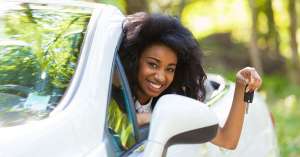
column 241, row 79
column 255, row 81
column 250, row 78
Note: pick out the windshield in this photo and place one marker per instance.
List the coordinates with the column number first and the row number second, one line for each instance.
column 39, row 49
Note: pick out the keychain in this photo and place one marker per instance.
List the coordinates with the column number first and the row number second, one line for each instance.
column 248, row 98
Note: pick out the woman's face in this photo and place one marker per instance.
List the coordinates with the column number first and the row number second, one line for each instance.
column 157, row 66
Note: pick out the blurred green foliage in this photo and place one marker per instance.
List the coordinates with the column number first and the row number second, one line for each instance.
column 204, row 18
column 121, row 4
column 283, row 98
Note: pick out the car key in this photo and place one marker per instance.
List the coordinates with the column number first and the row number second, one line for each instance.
column 248, row 98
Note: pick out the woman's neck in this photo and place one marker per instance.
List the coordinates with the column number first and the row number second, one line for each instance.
column 142, row 98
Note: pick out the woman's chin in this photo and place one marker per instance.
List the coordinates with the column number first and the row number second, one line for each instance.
column 154, row 94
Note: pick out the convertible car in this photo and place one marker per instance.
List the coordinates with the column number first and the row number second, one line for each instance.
column 60, row 78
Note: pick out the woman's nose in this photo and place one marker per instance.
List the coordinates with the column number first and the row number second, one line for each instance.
column 160, row 76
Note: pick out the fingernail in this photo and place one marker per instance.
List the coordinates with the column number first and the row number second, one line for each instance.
column 247, row 81
column 247, row 89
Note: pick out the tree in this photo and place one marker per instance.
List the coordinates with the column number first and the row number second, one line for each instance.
column 272, row 37
column 254, row 50
column 271, row 57
column 294, row 71
column 293, row 33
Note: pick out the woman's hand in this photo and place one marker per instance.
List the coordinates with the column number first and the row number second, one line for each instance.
column 248, row 77
column 143, row 118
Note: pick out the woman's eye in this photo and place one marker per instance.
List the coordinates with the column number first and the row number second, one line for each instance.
column 153, row 65
column 172, row 70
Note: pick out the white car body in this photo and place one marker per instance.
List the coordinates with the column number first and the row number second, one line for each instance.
column 77, row 126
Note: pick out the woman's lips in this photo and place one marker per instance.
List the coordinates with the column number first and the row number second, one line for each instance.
column 157, row 86
column 154, row 87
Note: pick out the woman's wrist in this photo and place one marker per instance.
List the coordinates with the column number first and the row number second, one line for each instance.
column 240, row 84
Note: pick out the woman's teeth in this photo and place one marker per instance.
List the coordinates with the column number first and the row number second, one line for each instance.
column 155, row 85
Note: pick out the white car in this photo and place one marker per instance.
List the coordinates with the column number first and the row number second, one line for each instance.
column 60, row 76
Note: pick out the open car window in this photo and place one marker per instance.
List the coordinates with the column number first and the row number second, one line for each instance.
column 121, row 118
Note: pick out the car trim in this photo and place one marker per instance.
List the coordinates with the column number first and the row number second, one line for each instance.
column 190, row 137
column 220, row 95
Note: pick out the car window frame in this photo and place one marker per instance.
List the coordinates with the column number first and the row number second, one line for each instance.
column 132, row 112
column 117, row 63
column 138, row 130
column 140, row 141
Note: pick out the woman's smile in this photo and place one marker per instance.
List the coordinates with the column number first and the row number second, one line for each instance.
column 156, row 87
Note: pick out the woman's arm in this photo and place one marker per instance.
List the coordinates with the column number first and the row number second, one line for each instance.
column 228, row 136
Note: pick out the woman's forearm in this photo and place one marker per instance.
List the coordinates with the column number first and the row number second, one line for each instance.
column 228, row 136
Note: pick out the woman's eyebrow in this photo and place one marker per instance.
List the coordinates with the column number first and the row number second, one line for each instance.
column 153, row 58
column 157, row 60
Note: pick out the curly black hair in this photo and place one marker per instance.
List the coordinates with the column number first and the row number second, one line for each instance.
column 143, row 30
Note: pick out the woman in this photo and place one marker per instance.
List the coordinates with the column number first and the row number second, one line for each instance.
column 161, row 56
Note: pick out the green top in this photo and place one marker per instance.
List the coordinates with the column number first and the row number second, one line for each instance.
column 120, row 125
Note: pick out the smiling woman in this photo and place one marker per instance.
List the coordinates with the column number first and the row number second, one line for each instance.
column 39, row 50
column 167, row 60
column 160, row 56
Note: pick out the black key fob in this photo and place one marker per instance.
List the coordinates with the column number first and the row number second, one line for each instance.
column 248, row 96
